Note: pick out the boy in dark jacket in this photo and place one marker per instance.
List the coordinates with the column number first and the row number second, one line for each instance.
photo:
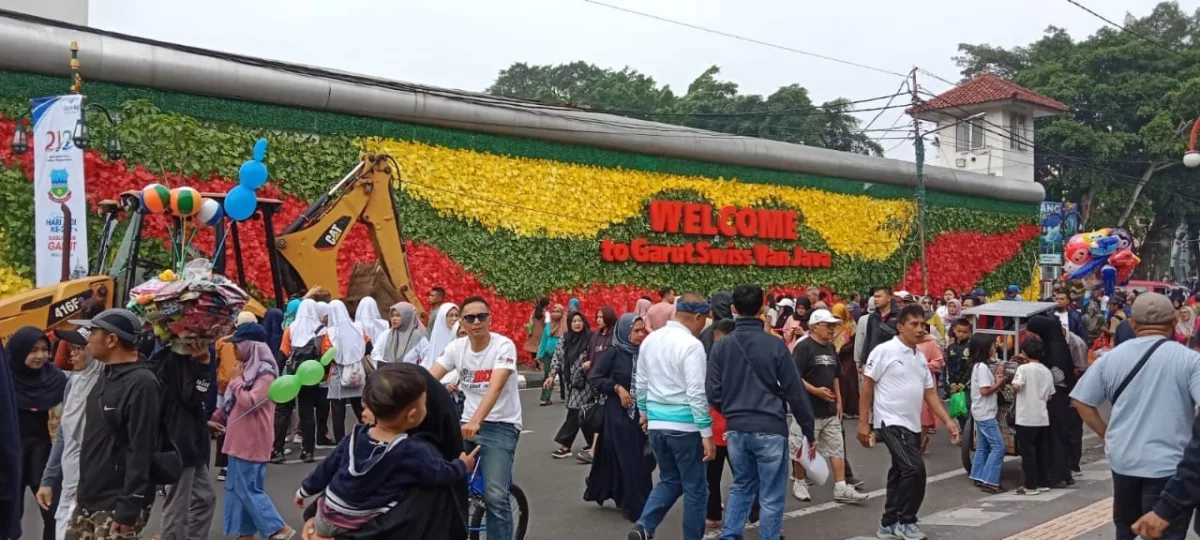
column 958, row 361
column 371, row 469
column 752, row 382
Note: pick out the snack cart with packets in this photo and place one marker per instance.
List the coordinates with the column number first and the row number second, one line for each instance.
column 1006, row 320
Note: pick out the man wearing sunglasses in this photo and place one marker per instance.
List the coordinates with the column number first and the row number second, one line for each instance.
column 491, row 418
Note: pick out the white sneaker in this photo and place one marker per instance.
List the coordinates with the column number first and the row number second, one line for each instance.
column 800, row 491
column 848, row 495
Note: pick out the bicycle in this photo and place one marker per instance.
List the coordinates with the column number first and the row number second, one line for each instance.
column 477, row 509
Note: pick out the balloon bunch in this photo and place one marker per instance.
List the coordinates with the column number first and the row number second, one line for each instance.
column 1102, row 258
column 308, row 373
column 241, row 202
column 184, row 203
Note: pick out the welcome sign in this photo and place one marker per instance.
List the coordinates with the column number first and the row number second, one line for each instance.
column 696, row 219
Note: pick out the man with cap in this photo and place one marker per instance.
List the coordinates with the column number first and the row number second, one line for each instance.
column 121, row 433
column 185, row 376
column 1153, row 383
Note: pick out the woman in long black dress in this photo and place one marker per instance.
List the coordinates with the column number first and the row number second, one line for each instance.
column 1058, row 359
column 38, row 387
column 621, row 470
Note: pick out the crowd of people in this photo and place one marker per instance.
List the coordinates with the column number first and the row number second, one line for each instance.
column 683, row 386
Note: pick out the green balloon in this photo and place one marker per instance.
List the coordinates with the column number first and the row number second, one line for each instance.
column 310, row 372
column 328, row 356
column 284, row 389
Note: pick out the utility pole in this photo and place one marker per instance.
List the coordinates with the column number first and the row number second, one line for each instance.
column 919, row 152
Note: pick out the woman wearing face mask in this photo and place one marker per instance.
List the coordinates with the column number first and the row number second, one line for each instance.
column 550, row 338
column 38, row 387
column 61, row 477
column 621, row 470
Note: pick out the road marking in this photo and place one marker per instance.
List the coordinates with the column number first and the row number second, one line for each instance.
column 1072, row 525
column 963, row 517
column 809, row 510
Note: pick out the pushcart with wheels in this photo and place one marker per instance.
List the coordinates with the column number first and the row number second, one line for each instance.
column 1006, row 320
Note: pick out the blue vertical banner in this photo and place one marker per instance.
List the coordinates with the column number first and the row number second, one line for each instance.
column 58, row 180
column 1053, row 231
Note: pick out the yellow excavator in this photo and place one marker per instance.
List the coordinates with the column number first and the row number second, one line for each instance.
column 304, row 256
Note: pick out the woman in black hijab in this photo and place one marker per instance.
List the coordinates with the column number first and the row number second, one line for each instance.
column 1058, row 359
column 569, row 357
column 38, row 387
column 621, row 470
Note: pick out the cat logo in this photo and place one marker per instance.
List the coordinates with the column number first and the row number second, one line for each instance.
column 329, row 238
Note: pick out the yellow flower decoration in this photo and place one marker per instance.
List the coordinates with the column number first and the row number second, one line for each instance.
column 538, row 197
column 12, row 283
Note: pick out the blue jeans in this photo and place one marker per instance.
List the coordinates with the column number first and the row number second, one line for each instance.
column 759, row 462
column 248, row 508
column 989, row 452
column 499, row 442
column 681, row 472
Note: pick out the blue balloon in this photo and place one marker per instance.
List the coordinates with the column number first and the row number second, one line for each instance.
column 240, row 203
column 260, row 150
column 253, row 174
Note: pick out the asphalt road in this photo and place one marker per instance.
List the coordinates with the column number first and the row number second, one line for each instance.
column 952, row 507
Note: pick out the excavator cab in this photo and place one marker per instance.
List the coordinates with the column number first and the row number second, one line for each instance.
column 308, row 248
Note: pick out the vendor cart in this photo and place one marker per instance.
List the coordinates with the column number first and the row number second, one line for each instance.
column 1005, row 319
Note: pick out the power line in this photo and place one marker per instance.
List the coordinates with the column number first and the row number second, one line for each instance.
column 816, row 109
column 1124, row 29
column 899, row 91
column 746, row 39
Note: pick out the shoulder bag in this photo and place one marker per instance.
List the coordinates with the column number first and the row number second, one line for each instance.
column 1136, row 369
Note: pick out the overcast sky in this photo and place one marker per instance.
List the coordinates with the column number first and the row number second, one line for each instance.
column 464, row 43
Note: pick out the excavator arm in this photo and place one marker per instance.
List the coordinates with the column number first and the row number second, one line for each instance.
column 309, row 246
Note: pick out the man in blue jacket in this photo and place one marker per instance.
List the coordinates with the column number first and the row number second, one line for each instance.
column 11, row 488
column 752, row 382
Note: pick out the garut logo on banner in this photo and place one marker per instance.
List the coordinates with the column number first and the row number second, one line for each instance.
column 60, row 186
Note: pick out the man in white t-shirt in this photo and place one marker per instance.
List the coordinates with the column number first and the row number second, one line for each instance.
column 896, row 380
column 487, row 366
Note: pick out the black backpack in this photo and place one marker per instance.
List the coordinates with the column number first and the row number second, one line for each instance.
column 310, row 351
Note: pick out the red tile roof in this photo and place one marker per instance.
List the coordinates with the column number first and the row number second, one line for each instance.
column 987, row 88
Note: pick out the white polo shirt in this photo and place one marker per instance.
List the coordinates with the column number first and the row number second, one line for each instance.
column 901, row 375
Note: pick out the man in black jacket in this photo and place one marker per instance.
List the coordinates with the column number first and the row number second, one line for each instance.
column 881, row 325
column 121, row 434
column 752, row 382
column 185, row 378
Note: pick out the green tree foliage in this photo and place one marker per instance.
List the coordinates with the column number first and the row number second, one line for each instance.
column 710, row 103
column 1117, row 152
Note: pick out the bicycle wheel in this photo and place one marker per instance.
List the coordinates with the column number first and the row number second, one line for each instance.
column 520, row 506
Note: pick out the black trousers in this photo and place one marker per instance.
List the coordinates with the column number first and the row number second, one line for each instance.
column 314, row 411
column 715, row 470
column 906, row 477
column 1033, row 443
column 1074, row 438
column 339, row 415
column 33, row 463
column 1060, row 411
column 573, row 424
column 1133, row 497
column 221, row 460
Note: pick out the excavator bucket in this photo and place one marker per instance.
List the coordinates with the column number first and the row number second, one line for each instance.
column 369, row 279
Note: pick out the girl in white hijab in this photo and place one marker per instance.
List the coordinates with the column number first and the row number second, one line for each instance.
column 441, row 332
column 347, row 378
column 306, row 325
column 368, row 318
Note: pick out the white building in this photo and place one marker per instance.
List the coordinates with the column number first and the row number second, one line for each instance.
column 68, row 11
column 985, row 126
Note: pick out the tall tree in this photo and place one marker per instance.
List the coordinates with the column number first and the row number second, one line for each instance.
column 710, row 103
column 1132, row 101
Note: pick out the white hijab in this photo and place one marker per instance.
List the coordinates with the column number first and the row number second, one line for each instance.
column 304, row 327
column 440, row 334
column 346, row 337
column 368, row 318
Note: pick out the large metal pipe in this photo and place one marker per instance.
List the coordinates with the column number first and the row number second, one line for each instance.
column 40, row 46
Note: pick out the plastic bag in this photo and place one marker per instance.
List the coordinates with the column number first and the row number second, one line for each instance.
column 816, row 469
column 958, row 404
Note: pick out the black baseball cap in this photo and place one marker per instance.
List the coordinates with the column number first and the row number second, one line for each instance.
column 78, row 336
column 121, row 322
column 249, row 332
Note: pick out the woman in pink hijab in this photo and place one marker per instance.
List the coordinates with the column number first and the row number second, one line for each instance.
column 642, row 307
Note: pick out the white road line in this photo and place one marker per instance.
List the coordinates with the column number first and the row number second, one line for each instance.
column 809, row 510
